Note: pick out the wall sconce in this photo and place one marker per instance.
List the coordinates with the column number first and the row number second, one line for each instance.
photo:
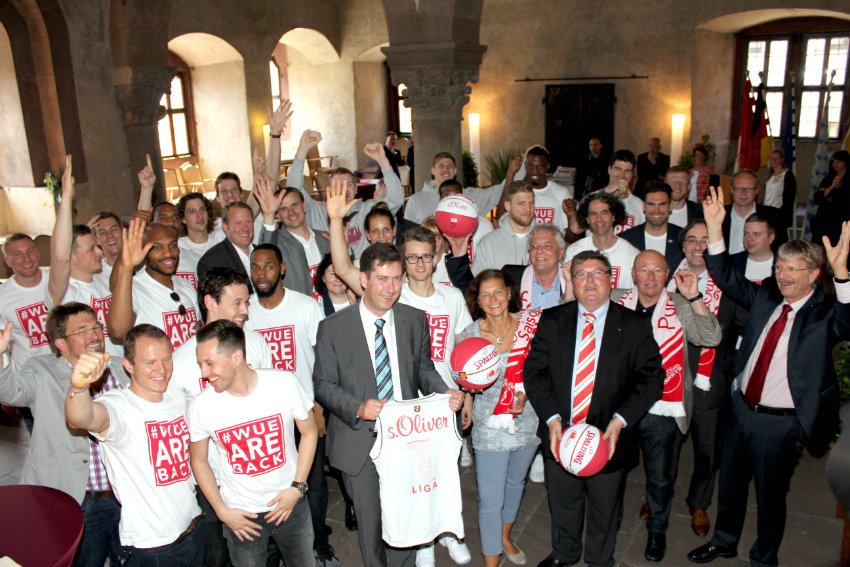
column 676, row 138
column 474, row 137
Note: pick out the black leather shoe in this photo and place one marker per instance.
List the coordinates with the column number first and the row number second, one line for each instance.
column 656, row 546
column 710, row 552
column 350, row 519
column 552, row 562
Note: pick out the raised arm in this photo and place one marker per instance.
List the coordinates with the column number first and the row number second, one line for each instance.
column 147, row 179
column 60, row 242
column 80, row 411
column 263, row 193
column 337, row 209
column 513, row 168
column 121, row 316
column 395, row 193
column 277, row 124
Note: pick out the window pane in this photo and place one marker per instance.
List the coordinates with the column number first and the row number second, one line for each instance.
column 181, row 135
column 838, row 58
column 274, row 78
column 164, row 101
column 405, row 116
column 176, row 97
column 755, row 60
column 776, row 63
column 809, row 114
column 774, row 112
column 835, row 100
column 813, row 74
column 165, row 146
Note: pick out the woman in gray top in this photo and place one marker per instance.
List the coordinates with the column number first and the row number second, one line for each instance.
column 504, row 437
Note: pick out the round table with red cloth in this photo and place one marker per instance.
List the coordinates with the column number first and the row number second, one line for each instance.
column 41, row 526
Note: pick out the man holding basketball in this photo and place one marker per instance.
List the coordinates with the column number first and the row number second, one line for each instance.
column 610, row 378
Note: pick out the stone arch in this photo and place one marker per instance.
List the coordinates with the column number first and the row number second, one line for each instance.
column 733, row 23
column 220, row 102
column 313, row 44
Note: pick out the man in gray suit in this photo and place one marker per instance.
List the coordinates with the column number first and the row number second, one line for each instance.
column 60, row 457
column 354, row 388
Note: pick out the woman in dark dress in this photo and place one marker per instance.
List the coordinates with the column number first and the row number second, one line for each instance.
column 833, row 199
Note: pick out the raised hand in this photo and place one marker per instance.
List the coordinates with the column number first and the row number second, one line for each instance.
column 259, row 162
column 514, row 165
column 459, row 244
column 309, row 139
column 263, row 191
column 837, row 255
column 88, row 369
column 134, row 249
column 279, row 118
column 147, row 178
column 570, row 207
column 712, row 208
column 336, row 204
column 6, row 337
column 67, row 180
column 687, row 283
column 374, row 151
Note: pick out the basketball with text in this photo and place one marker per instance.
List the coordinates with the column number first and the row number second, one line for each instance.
column 456, row 216
column 476, row 363
column 582, row 450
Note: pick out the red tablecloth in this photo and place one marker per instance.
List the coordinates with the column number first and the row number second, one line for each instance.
column 39, row 526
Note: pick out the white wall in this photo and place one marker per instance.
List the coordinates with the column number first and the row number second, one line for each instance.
column 15, row 165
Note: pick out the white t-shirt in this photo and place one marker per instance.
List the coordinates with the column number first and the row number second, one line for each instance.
column 107, row 269
column 773, row 190
column 26, row 308
column 290, row 331
column 96, row 295
column 657, row 243
column 621, row 255
column 634, row 214
column 759, row 271
column 679, row 217
column 190, row 254
column 548, row 204
column 153, row 304
column 254, row 436
column 146, row 453
column 447, row 317
column 441, row 273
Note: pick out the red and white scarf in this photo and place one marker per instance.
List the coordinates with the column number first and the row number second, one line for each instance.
column 711, row 297
column 668, row 333
column 526, row 327
column 527, row 285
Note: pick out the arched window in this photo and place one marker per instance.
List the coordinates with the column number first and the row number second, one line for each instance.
column 177, row 128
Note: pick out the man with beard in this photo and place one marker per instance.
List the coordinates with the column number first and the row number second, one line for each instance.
column 509, row 243
column 155, row 295
column 657, row 233
column 289, row 321
column 62, row 457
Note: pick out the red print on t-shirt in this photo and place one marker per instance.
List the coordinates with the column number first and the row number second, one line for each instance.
column 254, row 447
column 630, row 222
column 439, row 325
column 615, row 276
column 100, row 305
column 168, row 450
column 179, row 328
column 32, row 318
column 281, row 341
column 189, row 277
column 544, row 215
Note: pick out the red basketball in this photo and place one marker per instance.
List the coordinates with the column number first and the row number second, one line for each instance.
column 582, row 450
column 476, row 363
column 456, row 215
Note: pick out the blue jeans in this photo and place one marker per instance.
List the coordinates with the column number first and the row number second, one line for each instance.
column 294, row 537
column 501, row 482
column 187, row 551
column 661, row 442
column 100, row 534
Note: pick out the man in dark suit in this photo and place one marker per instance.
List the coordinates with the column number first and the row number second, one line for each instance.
column 235, row 250
column 656, row 233
column 593, row 171
column 610, row 383
column 744, row 194
column 785, row 390
column 346, row 384
column 756, row 261
column 651, row 166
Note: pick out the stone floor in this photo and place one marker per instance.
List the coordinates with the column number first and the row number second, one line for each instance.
column 812, row 535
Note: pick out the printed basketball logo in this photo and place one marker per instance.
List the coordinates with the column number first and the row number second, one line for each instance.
column 615, row 276
column 439, row 325
column 354, row 235
column 281, row 341
column 254, row 447
column 189, row 277
column 180, row 328
column 32, row 318
column 544, row 215
column 630, row 222
column 100, row 305
column 168, row 450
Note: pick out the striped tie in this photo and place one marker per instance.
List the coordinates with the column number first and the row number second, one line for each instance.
column 585, row 371
column 383, row 372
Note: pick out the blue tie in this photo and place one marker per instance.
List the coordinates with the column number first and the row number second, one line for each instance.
column 383, row 372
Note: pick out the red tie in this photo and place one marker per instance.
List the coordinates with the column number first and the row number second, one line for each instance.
column 585, row 371
column 756, row 383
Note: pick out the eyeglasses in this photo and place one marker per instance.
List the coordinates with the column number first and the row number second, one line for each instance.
column 693, row 241
column 413, row 259
column 780, row 269
column 84, row 332
column 595, row 274
column 181, row 309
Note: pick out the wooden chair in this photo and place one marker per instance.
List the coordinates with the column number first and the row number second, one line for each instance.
column 172, row 184
column 192, row 178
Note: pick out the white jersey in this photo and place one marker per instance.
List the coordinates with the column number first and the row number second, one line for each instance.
column 549, row 204
column 96, row 295
column 679, row 217
column 621, row 255
column 290, row 331
column 146, row 453
column 634, row 214
column 26, row 308
column 254, row 436
column 190, row 254
column 447, row 316
column 415, row 452
column 501, row 247
column 153, row 304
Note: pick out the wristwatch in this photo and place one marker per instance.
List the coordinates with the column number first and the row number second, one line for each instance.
column 696, row 298
column 301, row 486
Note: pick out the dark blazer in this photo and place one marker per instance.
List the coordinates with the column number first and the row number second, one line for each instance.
column 818, row 326
column 629, row 376
column 636, row 236
column 694, row 210
column 297, row 274
column 772, row 212
column 648, row 171
column 344, row 377
column 222, row 254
